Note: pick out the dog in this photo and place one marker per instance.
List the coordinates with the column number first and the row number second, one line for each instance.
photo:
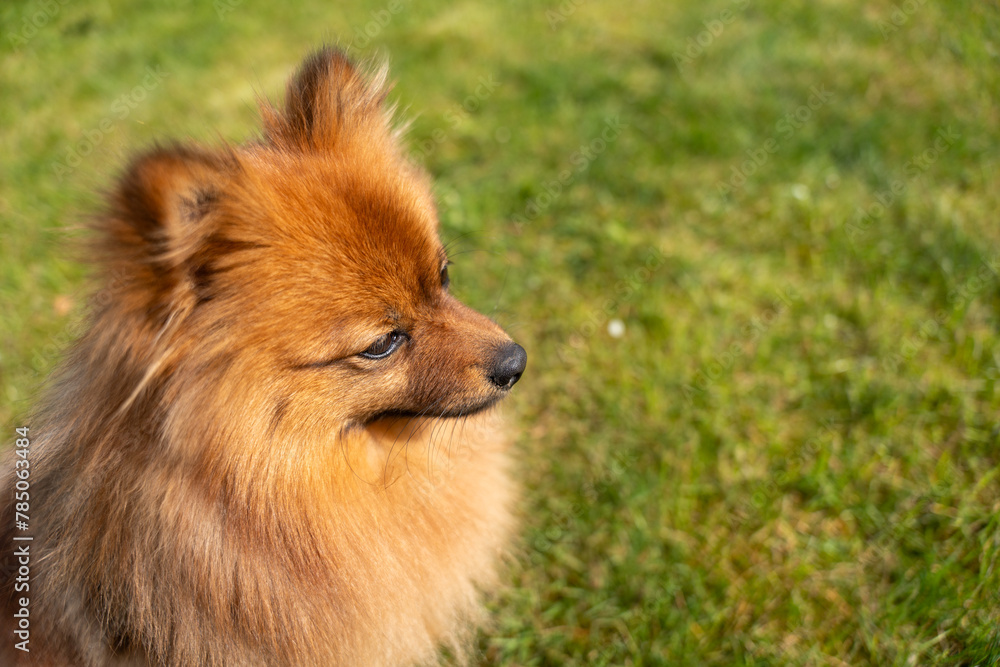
column 276, row 442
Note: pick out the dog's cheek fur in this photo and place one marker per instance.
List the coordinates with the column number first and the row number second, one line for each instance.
column 196, row 499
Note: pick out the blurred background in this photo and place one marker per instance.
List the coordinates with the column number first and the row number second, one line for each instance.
column 752, row 248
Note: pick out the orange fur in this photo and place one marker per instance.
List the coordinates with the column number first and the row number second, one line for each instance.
column 219, row 476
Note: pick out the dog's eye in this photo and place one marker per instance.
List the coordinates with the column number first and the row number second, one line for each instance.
column 385, row 345
column 445, row 280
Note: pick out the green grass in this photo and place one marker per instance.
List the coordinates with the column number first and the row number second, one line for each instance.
column 792, row 455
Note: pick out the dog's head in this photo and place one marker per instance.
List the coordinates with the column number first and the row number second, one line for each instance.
column 304, row 269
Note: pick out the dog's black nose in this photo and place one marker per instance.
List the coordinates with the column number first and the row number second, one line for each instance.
column 507, row 365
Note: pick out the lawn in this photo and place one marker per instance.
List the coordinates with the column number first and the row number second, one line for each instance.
column 751, row 247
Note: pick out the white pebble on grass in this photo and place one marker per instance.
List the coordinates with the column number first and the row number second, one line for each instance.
column 616, row 328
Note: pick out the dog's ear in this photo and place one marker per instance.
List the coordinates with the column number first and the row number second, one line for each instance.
column 162, row 217
column 327, row 100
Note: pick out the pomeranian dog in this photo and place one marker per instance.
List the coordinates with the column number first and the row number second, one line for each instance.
column 274, row 445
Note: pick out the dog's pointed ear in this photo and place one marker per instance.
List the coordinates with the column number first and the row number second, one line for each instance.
column 328, row 99
column 161, row 216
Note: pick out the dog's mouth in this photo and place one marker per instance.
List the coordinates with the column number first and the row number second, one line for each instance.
column 451, row 412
